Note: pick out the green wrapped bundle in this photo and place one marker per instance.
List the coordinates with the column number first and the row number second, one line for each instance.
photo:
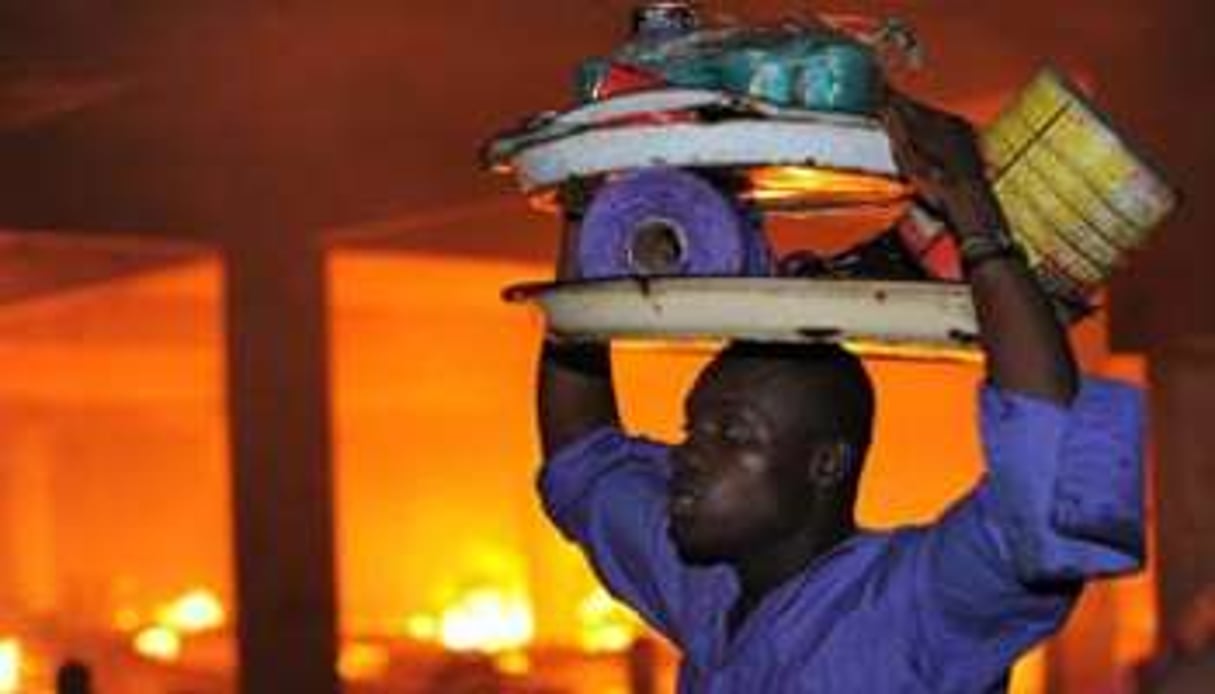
column 792, row 65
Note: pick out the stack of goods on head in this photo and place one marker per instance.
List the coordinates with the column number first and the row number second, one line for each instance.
column 686, row 139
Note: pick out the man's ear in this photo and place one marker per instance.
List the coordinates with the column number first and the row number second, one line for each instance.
column 831, row 464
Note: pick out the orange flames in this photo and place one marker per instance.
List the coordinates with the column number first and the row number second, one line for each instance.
column 363, row 661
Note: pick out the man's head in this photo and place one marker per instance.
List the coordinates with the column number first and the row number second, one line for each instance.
column 776, row 435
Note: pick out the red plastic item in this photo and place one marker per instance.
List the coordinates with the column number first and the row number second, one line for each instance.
column 932, row 245
column 621, row 79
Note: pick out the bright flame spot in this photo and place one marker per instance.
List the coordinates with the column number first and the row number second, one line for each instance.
column 10, row 666
column 513, row 663
column 605, row 625
column 158, row 643
column 487, row 620
column 363, row 661
column 422, row 627
column 196, row 611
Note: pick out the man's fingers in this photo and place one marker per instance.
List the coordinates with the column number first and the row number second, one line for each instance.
column 934, row 149
column 911, row 155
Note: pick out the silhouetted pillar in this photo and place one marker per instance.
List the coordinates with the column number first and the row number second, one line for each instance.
column 1183, row 386
column 281, row 463
column 643, row 666
column 73, row 677
column 1164, row 302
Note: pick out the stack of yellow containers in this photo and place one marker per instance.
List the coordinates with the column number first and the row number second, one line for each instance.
column 1077, row 196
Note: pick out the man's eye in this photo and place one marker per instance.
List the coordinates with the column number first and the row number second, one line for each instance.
column 727, row 431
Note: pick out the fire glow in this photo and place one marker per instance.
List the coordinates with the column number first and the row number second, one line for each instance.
column 195, row 612
column 398, row 488
column 606, row 625
column 10, row 666
column 488, row 620
column 158, row 643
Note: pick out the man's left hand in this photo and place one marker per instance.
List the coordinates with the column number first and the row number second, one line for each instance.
column 939, row 152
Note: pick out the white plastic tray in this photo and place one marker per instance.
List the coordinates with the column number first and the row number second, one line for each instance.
column 930, row 317
column 592, row 139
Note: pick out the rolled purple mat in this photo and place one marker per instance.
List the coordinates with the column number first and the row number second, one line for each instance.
column 667, row 222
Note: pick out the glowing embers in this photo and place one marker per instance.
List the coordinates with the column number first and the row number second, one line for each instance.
column 487, row 619
column 197, row 611
column 10, row 666
column 158, row 643
column 810, row 188
column 361, row 661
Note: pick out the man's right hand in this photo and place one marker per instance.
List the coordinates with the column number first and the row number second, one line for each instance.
column 574, row 392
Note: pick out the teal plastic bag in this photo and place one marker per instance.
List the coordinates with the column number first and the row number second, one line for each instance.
column 792, row 65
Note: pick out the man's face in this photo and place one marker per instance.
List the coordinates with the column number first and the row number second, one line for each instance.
column 742, row 476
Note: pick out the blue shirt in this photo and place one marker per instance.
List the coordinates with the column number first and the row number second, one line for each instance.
column 944, row 608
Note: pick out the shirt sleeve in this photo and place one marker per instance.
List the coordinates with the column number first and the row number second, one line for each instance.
column 1062, row 501
column 1067, row 483
column 607, row 492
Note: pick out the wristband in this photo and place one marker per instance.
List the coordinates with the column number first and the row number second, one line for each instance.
column 976, row 250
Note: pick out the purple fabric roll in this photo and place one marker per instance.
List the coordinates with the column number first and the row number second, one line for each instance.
column 665, row 222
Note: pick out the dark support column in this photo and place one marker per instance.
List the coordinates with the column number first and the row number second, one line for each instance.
column 1164, row 301
column 1183, row 381
column 278, row 396
column 643, row 666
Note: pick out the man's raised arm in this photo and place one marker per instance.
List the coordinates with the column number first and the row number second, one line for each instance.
column 1062, row 500
column 1027, row 349
column 574, row 392
column 607, row 492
